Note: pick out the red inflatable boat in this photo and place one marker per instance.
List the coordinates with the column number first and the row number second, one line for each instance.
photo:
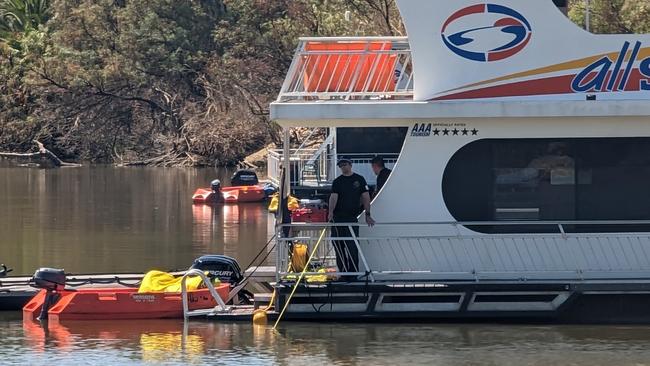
column 245, row 188
column 230, row 195
column 121, row 303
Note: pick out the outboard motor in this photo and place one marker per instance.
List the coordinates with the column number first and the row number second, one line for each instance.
column 244, row 178
column 51, row 280
column 225, row 268
column 4, row 270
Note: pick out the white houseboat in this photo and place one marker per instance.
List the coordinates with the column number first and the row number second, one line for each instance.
column 522, row 191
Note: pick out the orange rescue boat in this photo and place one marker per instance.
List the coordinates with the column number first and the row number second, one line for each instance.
column 159, row 296
column 120, row 303
column 245, row 188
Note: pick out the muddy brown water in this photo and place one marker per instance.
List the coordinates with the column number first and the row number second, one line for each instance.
column 105, row 219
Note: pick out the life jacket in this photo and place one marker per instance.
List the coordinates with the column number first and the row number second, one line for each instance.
column 293, row 203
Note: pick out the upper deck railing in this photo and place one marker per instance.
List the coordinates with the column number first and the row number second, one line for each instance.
column 350, row 68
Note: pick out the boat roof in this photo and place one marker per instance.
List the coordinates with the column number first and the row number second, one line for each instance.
column 467, row 59
column 405, row 113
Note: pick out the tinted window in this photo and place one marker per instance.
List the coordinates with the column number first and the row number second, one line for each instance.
column 550, row 180
column 370, row 140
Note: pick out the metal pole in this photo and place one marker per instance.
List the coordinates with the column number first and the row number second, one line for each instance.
column 361, row 256
column 286, row 161
column 588, row 15
column 333, row 156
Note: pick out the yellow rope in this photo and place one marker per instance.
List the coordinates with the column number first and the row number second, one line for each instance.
column 302, row 274
column 271, row 302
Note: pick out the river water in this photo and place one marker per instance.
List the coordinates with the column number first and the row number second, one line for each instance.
column 105, row 219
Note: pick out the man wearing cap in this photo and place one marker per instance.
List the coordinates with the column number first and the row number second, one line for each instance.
column 349, row 195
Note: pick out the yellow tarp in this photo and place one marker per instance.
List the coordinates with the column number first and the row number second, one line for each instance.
column 158, row 281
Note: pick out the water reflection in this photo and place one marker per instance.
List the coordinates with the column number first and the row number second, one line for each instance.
column 106, row 219
column 241, row 229
column 172, row 342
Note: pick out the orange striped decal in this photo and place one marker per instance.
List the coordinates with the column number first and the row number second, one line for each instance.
column 569, row 65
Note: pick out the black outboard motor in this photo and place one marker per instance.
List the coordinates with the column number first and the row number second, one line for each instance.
column 4, row 270
column 225, row 268
column 244, row 178
column 52, row 280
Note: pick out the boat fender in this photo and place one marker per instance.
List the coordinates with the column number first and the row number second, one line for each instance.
column 259, row 317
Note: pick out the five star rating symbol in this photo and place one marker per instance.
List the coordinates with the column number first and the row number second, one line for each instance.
column 455, row 132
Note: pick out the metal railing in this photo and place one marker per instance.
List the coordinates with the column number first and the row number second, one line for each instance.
column 318, row 171
column 221, row 306
column 563, row 250
column 350, row 68
column 298, row 159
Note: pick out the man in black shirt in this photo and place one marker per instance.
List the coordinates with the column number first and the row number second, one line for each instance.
column 382, row 173
column 349, row 195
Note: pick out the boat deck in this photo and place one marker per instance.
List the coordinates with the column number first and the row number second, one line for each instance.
column 236, row 314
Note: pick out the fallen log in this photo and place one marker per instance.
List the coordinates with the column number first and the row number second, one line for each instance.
column 42, row 154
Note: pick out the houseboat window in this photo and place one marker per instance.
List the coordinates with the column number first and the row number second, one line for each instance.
column 551, row 180
column 370, row 140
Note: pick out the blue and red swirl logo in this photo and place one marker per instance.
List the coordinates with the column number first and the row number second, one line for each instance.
column 486, row 32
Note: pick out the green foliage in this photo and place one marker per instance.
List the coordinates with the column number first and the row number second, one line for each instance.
column 18, row 17
column 169, row 82
column 613, row 16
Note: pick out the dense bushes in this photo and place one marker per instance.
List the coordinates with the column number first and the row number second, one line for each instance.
column 173, row 82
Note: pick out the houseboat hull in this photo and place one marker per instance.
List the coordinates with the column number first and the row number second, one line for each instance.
column 551, row 302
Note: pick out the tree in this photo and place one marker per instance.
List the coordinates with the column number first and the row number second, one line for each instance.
column 21, row 16
column 613, row 16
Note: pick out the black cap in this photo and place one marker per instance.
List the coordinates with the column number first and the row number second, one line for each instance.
column 344, row 159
